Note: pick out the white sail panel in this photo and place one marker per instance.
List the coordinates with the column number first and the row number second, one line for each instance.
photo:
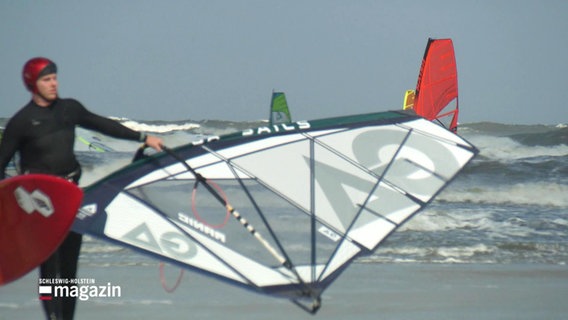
column 439, row 133
column 371, row 232
column 256, row 273
column 345, row 252
column 340, row 188
column 293, row 181
column 369, row 147
column 150, row 232
column 392, row 204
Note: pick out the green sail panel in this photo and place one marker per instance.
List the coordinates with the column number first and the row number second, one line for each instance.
column 279, row 112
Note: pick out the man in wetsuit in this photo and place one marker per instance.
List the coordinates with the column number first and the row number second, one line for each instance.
column 43, row 132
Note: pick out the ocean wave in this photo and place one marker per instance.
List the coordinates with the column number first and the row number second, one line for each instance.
column 479, row 253
column 203, row 127
column 441, row 220
column 159, row 127
column 532, row 193
column 550, row 169
column 466, row 225
column 506, row 148
column 502, row 129
column 558, row 136
column 92, row 173
column 501, row 252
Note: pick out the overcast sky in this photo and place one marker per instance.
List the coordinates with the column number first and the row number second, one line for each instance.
column 183, row 59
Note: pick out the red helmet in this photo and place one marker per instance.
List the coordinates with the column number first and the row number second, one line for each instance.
column 36, row 68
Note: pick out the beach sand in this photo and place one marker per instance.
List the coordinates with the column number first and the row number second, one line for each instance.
column 364, row 291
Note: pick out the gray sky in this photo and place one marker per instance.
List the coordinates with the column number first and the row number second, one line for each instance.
column 177, row 60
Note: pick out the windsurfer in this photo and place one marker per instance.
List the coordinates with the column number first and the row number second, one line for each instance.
column 43, row 132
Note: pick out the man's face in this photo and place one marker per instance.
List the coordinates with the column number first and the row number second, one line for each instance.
column 47, row 87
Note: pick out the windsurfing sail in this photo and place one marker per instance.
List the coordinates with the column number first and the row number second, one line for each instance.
column 279, row 112
column 436, row 96
column 281, row 209
column 408, row 102
column 93, row 143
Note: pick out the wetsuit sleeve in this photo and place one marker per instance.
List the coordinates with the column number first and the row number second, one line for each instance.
column 104, row 125
column 8, row 147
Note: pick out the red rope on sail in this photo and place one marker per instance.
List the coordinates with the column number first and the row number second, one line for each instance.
column 196, row 213
column 163, row 279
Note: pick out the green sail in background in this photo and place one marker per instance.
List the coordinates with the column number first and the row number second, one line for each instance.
column 94, row 145
column 279, row 112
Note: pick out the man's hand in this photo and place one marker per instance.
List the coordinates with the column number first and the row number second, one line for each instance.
column 154, row 142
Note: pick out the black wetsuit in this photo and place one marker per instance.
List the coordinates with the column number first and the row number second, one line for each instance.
column 44, row 138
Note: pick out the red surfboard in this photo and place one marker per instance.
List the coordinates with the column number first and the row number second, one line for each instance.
column 36, row 213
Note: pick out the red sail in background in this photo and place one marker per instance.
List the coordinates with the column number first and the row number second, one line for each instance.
column 437, row 88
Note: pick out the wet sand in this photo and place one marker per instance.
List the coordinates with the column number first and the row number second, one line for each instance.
column 364, row 291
